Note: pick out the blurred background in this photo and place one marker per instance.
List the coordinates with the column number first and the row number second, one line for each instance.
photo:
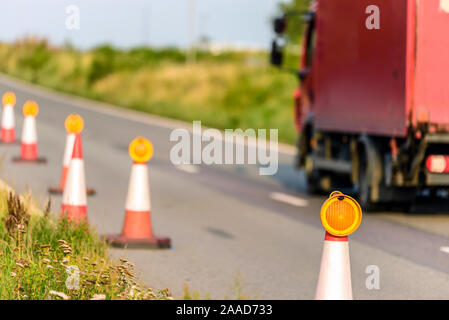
column 209, row 60
column 186, row 59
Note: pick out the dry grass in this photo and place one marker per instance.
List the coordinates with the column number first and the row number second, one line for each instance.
column 46, row 258
column 236, row 291
column 232, row 91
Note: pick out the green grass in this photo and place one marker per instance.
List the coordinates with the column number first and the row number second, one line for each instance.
column 228, row 90
column 36, row 252
column 236, row 291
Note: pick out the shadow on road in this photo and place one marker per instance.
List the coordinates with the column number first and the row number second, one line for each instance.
column 291, row 178
column 295, row 181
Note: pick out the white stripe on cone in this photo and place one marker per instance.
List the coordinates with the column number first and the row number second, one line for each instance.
column 334, row 282
column 75, row 186
column 138, row 198
column 8, row 121
column 29, row 134
column 69, row 142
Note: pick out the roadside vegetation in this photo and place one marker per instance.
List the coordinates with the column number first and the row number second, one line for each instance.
column 236, row 291
column 40, row 256
column 224, row 90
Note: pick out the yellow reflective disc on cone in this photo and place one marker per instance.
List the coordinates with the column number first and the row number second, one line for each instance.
column 30, row 108
column 140, row 150
column 9, row 98
column 74, row 123
column 340, row 214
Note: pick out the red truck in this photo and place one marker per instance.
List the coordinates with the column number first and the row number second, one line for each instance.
column 372, row 107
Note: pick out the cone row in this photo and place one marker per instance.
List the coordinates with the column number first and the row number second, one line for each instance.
column 137, row 227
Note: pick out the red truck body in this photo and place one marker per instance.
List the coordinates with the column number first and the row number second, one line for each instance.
column 381, row 81
column 372, row 106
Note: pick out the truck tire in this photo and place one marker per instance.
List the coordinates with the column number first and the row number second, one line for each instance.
column 318, row 182
column 369, row 174
column 364, row 185
column 314, row 182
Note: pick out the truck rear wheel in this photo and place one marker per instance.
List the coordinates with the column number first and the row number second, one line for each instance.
column 318, row 182
column 369, row 175
column 373, row 193
column 364, row 185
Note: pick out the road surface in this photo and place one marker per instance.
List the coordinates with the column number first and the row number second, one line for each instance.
column 234, row 232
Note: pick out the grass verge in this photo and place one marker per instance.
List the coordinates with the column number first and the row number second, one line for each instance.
column 227, row 90
column 46, row 258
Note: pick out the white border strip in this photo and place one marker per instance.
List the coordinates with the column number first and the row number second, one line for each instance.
column 189, row 168
column 286, row 198
column 444, row 249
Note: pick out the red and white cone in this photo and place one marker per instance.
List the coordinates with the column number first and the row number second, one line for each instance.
column 70, row 140
column 137, row 228
column 334, row 282
column 8, row 130
column 74, row 124
column 74, row 202
column 340, row 215
column 29, row 150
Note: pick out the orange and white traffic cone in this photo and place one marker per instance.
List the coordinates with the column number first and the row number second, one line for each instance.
column 70, row 140
column 137, row 229
column 28, row 151
column 74, row 202
column 74, row 123
column 8, row 130
column 340, row 215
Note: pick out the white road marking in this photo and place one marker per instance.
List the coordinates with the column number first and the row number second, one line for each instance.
column 124, row 113
column 294, row 201
column 444, row 249
column 190, row 168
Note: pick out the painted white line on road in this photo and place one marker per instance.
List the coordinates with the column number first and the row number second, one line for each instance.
column 444, row 249
column 124, row 113
column 190, row 168
column 294, row 201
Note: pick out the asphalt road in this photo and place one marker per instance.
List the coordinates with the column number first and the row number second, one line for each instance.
column 233, row 231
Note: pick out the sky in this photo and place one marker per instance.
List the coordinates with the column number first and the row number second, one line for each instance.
column 127, row 23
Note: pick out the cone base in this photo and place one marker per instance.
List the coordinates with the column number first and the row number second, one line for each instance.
column 155, row 242
column 59, row 190
column 37, row 160
column 55, row 190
